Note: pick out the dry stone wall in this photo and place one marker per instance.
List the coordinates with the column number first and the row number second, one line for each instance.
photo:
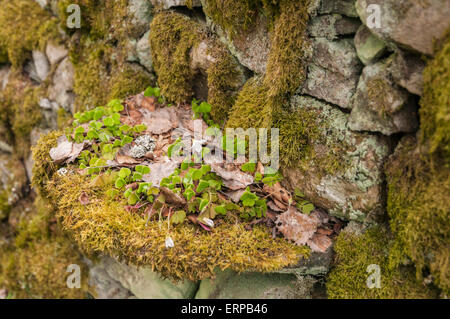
column 361, row 87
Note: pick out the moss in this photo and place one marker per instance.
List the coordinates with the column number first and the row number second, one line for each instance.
column 286, row 67
column 43, row 168
column 435, row 105
column 39, row 270
column 25, row 27
column 105, row 227
column 232, row 16
column 251, row 108
column 64, row 118
column 225, row 77
column 129, row 81
column 354, row 253
column 5, row 207
column 418, row 176
column 20, row 110
column 171, row 39
column 418, row 207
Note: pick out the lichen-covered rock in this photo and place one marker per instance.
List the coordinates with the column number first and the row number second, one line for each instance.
column 343, row 171
column 230, row 285
column 102, row 286
column 381, row 106
column 144, row 53
column 61, row 89
column 331, row 26
column 413, row 25
column 406, row 70
column 333, row 72
column 143, row 283
column 368, row 47
column 13, row 183
column 139, row 14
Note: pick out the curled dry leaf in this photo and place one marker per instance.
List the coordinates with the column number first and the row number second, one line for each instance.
column 319, row 243
column 172, row 198
column 279, row 193
column 66, row 151
column 296, row 226
column 233, row 179
column 158, row 171
column 235, row 196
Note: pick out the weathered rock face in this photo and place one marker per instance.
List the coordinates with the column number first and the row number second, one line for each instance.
column 381, row 106
column 333, row 72
column 344, row 7
column 142, row 283
column 353, row 191
column 13, row 181
column 251, row 47
column 408, row 23
column 332, row 26
column 368, row 47
column 406, row 69
column 62, row 86
column 229, row 284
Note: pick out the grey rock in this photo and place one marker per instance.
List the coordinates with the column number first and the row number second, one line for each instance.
column 144, row 283
column 368, row 47
column 251, row 47
column 140, row 13
column 166, row 4
column 41, row 64
column 104, row 286
column 318, row 264
column 381, row 106
column 144, row 52
column 55, row 53
column 332, row 26
column 333, row 71
column 42, row 3
column 61, row 89
column 410, row 24
column 355, row 190
column 406, row 69
column 35, row 134
column 329, row 86
column 50, row 112
column 131, row 45
column 344, row 7
column 228, row 284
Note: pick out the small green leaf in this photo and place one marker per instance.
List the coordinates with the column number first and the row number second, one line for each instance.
column 124, row 172
column 133, row 199
column 120, row 182
column 249, row 167
column 178, row 217
column 203, row 204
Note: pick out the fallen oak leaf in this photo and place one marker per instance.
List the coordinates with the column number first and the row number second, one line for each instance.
column 296, row 226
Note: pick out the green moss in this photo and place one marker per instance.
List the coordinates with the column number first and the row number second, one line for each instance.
column 106, row 227
column 129, row 81
column 39, row 270
column 418, row 207
column 20, row 110
column 286, row 68
column 225, row 77
column 44, row 168
column 354, row 253
column 5, row 207
column 435, row 105
column 418, row 176
column 171, row 39
column 25, row 27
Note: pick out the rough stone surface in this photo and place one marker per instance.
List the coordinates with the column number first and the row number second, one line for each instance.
column 251, row 47
column 368, row 47
column 4, row 75
column 140, row 11
column 60, row 90
column 333, row 72
column 345, row 7
column 332, row 26
column 353, row 192
column 381, row 106
column 144, row 283
column 55, row 53
column 144, row 53
column 406, row 69
column 166, row 4
column 411, row 24
column 229, row 284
